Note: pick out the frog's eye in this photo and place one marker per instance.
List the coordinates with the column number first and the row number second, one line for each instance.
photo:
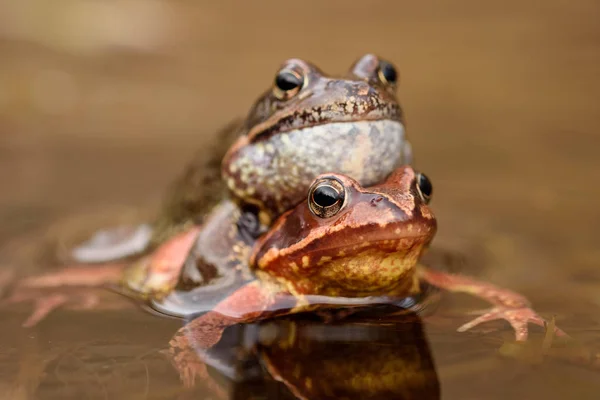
column 326, row 198
column 424, row 187
column 387, row 73
column 288, row 83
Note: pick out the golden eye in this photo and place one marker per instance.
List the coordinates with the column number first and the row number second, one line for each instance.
column 326, row 198
column 424, row 187
column 387, row 73
column 288, row 83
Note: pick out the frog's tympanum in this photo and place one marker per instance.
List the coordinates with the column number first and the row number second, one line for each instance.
column 344, row 246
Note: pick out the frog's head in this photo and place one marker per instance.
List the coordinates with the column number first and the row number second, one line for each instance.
column 309, row 123
column 349, row 240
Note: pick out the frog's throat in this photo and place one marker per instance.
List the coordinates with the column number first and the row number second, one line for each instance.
column 287, row 163
column 372, row 272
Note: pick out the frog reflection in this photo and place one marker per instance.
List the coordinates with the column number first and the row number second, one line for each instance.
column 374, row 354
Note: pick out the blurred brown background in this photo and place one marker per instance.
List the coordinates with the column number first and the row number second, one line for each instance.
column 103, row 102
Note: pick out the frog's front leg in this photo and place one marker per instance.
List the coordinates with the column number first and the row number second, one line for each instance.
column 507, row 305
column 252, row 302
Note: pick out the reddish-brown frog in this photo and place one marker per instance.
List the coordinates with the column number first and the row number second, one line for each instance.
column 306, row 124
column 344, row 246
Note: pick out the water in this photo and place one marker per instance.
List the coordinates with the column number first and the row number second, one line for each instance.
column 502, row 111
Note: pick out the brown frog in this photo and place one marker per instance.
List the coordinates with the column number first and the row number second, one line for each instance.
column 306, row 124
column 345, row 246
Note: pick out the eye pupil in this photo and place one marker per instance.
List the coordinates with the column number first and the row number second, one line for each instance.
column 287, row 81
column 326, row 196
column 388, row 71
column 425, row 186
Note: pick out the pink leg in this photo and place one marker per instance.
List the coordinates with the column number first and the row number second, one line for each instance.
column 187, row 346
column 81, row 276
column 53, row 290
column 161, row 269
column 45, row 303
column 507, row 304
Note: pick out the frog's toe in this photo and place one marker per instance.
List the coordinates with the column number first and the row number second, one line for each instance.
column 43, row 307
column 188, row 368
column 45, row 304
column 518, row 318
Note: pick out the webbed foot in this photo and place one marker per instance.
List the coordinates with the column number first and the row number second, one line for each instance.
column 518, row 318
column 69, row 287
column 45, row 304
column 507, row 305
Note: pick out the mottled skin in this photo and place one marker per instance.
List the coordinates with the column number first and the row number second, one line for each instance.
column 351, row 125
column 366, row 253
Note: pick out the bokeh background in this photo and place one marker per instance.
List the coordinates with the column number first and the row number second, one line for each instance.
column 102, row 103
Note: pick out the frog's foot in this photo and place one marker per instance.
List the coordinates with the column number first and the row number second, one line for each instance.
column 518, row 318
column 113, row 244
column 68, row 287
column 44, row 304
column 191, row 368
column 185, row 360
column 507, row 305
column 188, row 349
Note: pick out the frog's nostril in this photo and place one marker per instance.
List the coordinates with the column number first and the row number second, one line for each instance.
column 375, row 201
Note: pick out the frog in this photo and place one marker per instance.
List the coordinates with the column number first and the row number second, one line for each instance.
column 307, row 123
column 346, row 246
